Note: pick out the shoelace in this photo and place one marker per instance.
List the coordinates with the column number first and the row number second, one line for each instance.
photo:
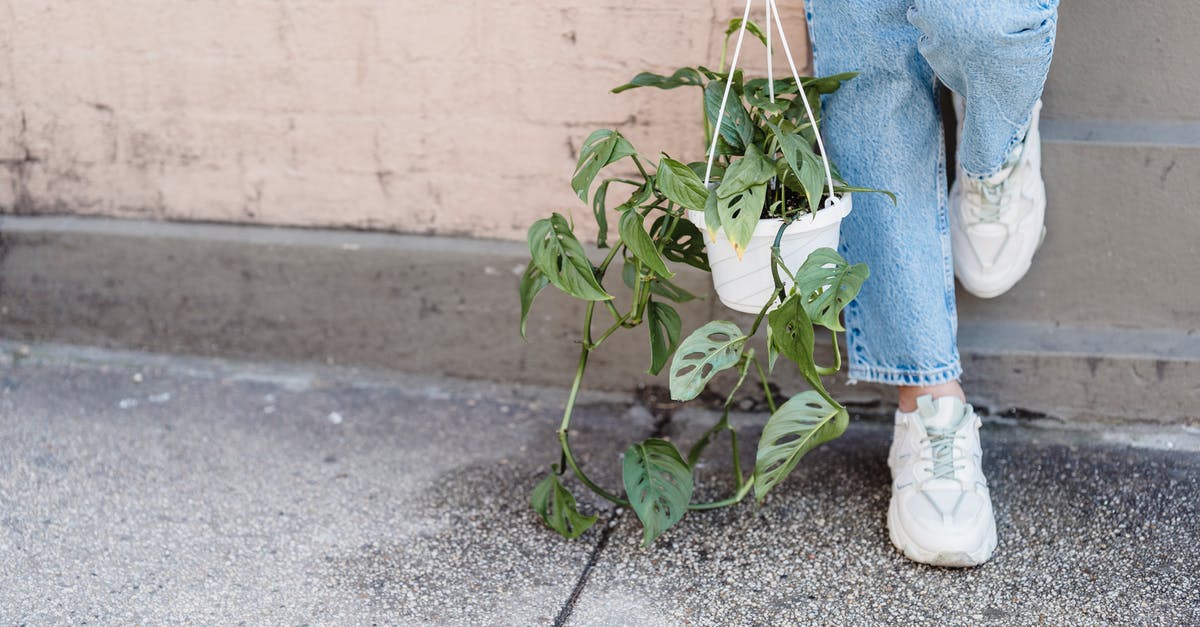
column 942, row 444
column 990, row 200
column 990, row 196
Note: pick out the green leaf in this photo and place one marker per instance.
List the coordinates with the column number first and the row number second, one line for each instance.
column 685, row 244
column 772, row 350
column 658, row 286
column 806, row 421
column 683, row 77
column 710, row 349
column 757, row 91
column 842, row 189
column 600, row 149
column 532, row 283
column 665, row 328
column 826, row 283
column 637, row 240
column 698, row 167
column 812, row 177
column 807, row 168
column 556, row 506
column 600, row 210
column 736, row 24
column 758, row 94
column 828, row 84
column 639, row 196
column 712, row 216
column 792, row 334
column 562, row 260
column 740, row 214
column 658, row 483
column 741, row 196
column 736, row 128
column 680, row 184
column 753, row 169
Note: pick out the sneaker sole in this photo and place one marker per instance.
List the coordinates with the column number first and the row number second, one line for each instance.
column 948, row 559
column 994, row 292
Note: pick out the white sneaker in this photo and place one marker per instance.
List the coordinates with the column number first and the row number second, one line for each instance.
column 996, row 225
column 940, row 511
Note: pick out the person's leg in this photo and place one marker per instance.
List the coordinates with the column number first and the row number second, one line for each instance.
column 995, row 54
column 884, row 131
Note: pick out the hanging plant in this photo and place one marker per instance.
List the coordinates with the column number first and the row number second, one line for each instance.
column 767, row 162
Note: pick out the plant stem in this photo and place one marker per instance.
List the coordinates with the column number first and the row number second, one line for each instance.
column 570, row 408
column 837, row 358
column 776, row 261
column 641, row 168
column 741, row 493
column 620, row 323
column 762, row 376
column 608, row 260
column 616, row 313
column 737, row 458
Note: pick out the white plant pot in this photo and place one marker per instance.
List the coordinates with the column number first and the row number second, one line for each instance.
column 746, row 285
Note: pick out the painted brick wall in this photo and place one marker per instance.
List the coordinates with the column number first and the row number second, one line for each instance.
column 456, row 117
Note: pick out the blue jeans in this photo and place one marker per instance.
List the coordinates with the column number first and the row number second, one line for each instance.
column 884, row 130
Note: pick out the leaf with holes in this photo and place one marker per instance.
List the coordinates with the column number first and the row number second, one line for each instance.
column 680, row 184
column 600, row 149
column 556, row 507
column 658, row 483
column 740, row 214
column 562, row 260
column 684, row 245
column 707, row 351
column 637, row 240
column 806, row 421
column 665, row 327
column 532, row 283
column 791, row 333
column 751, row 170
column 826, row 283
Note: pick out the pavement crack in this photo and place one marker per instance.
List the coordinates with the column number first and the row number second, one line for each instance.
column 569, row 606
column 657, row 400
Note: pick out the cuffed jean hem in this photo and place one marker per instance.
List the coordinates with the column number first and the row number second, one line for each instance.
column 892, row 376
column 1017, row 137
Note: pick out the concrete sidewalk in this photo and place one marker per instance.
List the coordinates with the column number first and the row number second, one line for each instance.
column 137, row 488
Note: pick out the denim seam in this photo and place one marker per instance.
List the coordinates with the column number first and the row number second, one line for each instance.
column 943, row 219
column 889, row 376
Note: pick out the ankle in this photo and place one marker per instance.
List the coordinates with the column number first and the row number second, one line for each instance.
column 908, row 394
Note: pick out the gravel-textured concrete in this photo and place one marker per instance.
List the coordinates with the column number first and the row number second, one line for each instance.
column 143, row 489
column 280, row 497
column 1089, row 534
